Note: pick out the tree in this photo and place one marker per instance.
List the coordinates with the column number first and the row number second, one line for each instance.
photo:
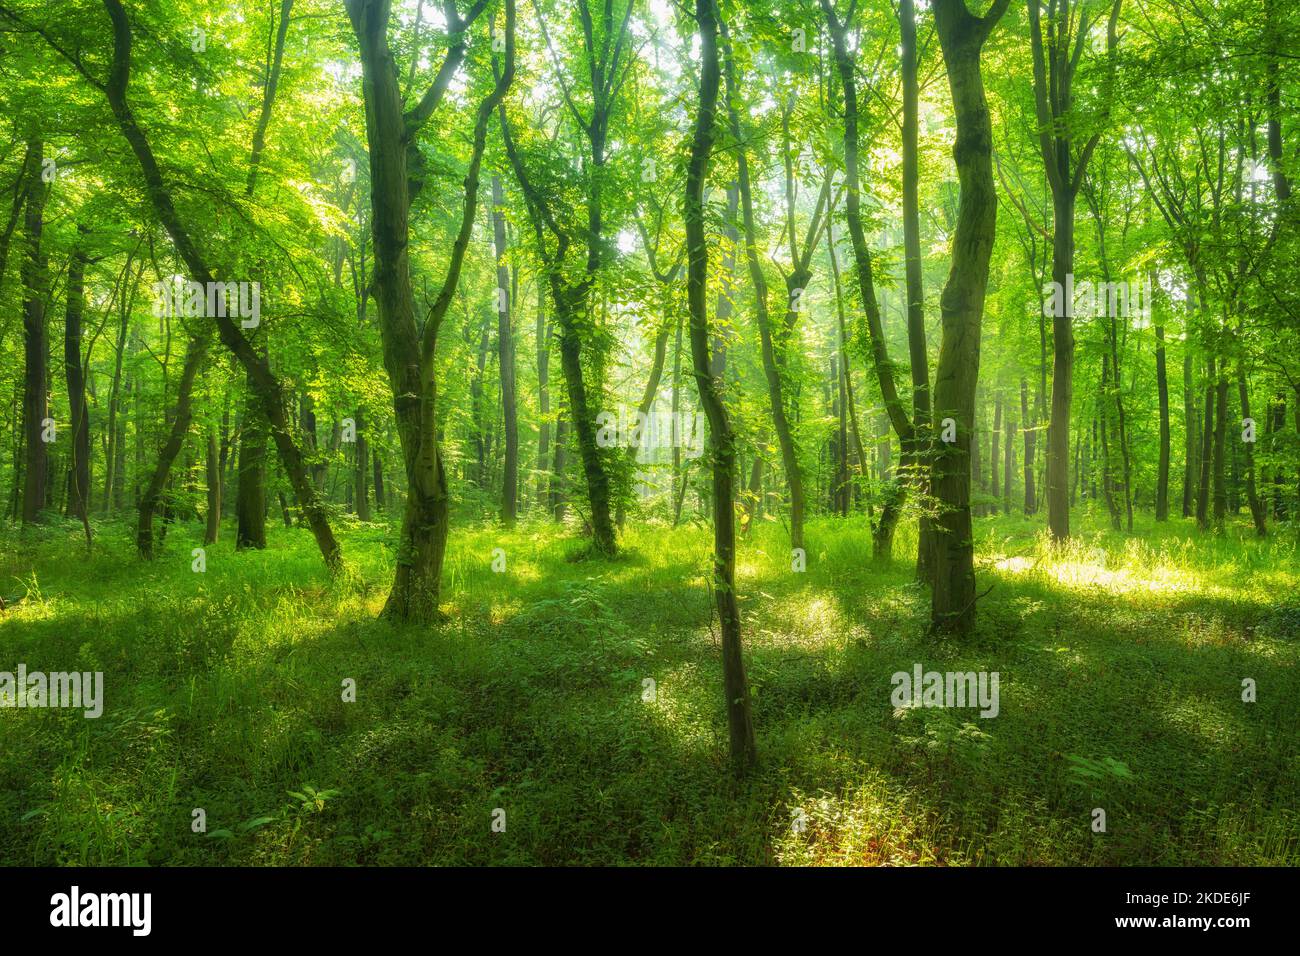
column 722, row 448
column 961, row 37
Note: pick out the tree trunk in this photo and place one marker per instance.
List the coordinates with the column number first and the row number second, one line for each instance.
column 1058, row 429
column 1191, row 467
column 506, row 359
column 1029, row 427
column 1162, row 389
column 961, row 36
column 78, row 409
column 559, row 484
column 996, row 435
column 361, row 479
column 917, row 349
column 1207, row 449
column 883, row 538
column 1220, row 448
column 114, row 450
column 409, row 353
column 543, row 335
column 1257, row 512
column 213, row 530
column 268, row 389
column 36, row 345
column 771, row 372
column 722, row 446
column 250, row 494
column 1009, row 461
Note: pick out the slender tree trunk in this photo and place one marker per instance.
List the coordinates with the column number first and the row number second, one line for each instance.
column 771, row 371
column 112, row 468
column 1029, row 427
column 1162, row 389
column 36, row 345
column 1207, row 449
column 883, row 538
column 361, row 479
column 268, row 389
column 1108, row 482
column 250, row 494
column 1191, row 467
column 1058, row 429
column 1009, row 461
column 543, row 335
column 1257, row 510
column 195, row 355
column 1220, row 448
column 213, row 466
column 506, row 359
column 722, row 446
column 559, row 484
column 79, row 413
column 917, row 349
column 996, row 435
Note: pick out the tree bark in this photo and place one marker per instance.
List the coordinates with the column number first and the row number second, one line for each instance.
column 1207, row 449
column 506, row 360
column 36, row 345
column 213, row 468
column 1220, row 448
column 961, row 36
column 268, row 389
column 250, row 493
column 409, row 353
column 1162, row 467
column 721, row 440
column 1257, row 511
column 74, row 373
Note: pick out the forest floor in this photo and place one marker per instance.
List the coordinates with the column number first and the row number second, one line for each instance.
column 1121, row 665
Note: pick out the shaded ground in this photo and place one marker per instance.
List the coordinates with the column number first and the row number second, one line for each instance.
column 1121, row 667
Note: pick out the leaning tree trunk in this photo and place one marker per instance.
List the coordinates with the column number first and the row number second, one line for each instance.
column 268, row 389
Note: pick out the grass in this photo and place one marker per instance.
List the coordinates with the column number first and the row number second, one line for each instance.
column 1121, row 663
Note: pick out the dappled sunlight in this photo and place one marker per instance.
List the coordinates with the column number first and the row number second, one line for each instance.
column 1088, row 575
